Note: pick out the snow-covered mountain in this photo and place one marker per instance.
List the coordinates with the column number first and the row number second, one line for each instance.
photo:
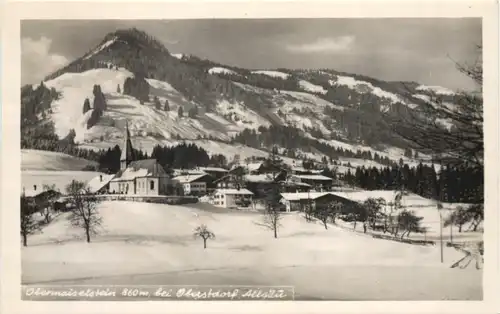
column 337, row 109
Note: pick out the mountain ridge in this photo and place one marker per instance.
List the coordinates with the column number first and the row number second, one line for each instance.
column 325, row 105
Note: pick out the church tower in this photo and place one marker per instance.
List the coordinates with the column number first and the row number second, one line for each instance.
column 127, row 152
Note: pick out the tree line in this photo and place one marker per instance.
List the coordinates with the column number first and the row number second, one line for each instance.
column 453, row 184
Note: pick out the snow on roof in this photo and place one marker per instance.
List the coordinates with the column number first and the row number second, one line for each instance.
column 180, row 172
column 302, row 169
column 34, row 193
column 313, row 177
column 214, row 169
column 253, row 166
column 96, row 183
column 234, row 191
column 295, row 183
column 189, row 178
column 303, row 195
column 139, row 169
column 258, row 177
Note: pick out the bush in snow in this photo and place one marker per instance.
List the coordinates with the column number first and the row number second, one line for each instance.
column 204, row 233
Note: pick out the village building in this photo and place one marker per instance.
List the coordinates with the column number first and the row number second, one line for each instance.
column 193, row 184
column 232, row 198
column 215, row 172
column 139, row 177
column 300, row 201
column 318, row 182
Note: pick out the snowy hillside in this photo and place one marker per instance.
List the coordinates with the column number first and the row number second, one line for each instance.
column 44, row 160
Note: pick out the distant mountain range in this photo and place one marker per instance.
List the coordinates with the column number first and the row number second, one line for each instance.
column 167, row 97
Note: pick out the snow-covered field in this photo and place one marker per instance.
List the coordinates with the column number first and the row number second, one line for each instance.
column 60, row 179
column 143, row 243
column 32, row 159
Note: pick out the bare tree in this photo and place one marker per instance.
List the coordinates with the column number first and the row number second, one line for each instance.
column 28, row 223
column 462, row 143
column 272, row 212
column 48, row 203
column 84, row 213
column 409, row 222
column 326, row 212
column 271, row 219
column 204, row 233
column 458, row 217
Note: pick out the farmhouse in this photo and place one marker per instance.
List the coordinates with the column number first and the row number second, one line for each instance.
column 232, row 198
column 317, row 182
column 300, row 201
column 193, row 184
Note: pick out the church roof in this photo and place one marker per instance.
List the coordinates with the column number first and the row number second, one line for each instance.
column 127, row 151
column 140, row 169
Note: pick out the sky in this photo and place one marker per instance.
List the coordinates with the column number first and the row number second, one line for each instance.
column 410, row 49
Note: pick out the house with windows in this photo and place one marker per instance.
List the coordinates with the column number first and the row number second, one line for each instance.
column 300, row 201
column 317, row 182
column 139, row 177
column 193, row 184
column 232, row 198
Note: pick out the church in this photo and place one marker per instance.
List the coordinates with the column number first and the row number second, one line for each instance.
column 139, row 177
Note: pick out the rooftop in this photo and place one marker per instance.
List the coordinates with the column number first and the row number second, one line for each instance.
column 140, row 169
column 189, row 178
column 234, row 191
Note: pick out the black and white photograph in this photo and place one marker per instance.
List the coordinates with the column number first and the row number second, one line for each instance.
column 275, row 159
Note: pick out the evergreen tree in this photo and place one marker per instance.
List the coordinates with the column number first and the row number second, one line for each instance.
column 86, row 105
column 167, row 106
column 157, row 103
column 180, row 112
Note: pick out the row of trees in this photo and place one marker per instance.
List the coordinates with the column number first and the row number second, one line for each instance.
column 450, row 184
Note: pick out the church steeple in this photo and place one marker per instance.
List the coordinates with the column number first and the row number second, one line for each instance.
column 127, row 152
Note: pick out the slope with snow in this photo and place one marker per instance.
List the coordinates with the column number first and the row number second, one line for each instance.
column 275, row 74
column 310, row 87
column 101, row 47
column 67, row 111
column 133, row 248
column 436, row 89
column 367, row 87
column 217, row 70
column 32, row 159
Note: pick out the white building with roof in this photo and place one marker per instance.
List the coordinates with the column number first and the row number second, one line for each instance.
column 192, row 184
column 232, row 198
column 139, row 177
